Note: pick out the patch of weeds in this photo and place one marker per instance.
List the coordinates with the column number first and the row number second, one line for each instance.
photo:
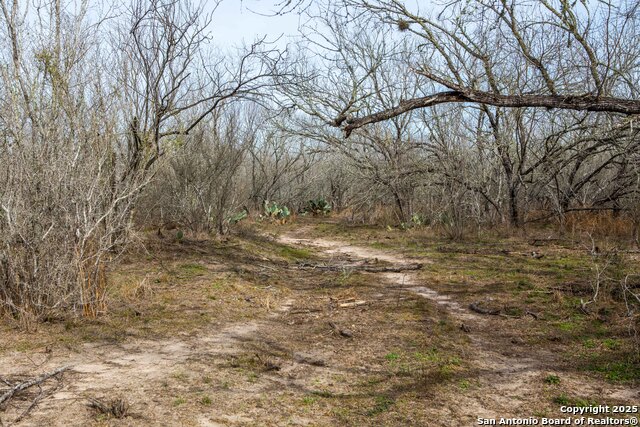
column 179, row 401
column 374, row 381
column 116, row 408
column 599, row 329
column 618, row 371
column 192, row 270
column 447, row 369
column 383, row 404
column 217, row 284
column 611, row 343
column 513, row 311
column 583, row 403
column 309, row 400
column 392, row 357
column 252, row 377
column 464, row 384
column 589, row 343
column 565, row 400
column 322, row 393
column 180, row 376
column 295, row 253
column 206, row 401
column 566, row 326
column 552, row 379
column 562, row 400
column 346, row 278
column 380, row 245
column 524, row 284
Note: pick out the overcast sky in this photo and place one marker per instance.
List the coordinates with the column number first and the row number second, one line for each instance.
column 235, row 22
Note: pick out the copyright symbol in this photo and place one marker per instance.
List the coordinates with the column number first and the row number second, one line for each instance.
column 633, row 421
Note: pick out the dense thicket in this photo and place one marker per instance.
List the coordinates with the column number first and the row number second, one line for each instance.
column 465, row 115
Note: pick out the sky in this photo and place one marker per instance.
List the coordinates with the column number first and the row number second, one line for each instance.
column 236, row 21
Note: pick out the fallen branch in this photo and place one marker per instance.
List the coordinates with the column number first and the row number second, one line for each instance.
column 352, row 304
column 475, row 307
column 540, row 242
column 33, row 404
column 532, row 314
column 361, row 267
column 306, row 311
column 27, row 384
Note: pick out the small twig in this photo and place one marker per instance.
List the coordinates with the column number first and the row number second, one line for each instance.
column 306, row 311
column 532, row 314
column 38, row 398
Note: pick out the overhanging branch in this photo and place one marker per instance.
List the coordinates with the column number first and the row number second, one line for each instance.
column 564, row 102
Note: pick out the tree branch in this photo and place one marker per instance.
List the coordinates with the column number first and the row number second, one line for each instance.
column 564, row 102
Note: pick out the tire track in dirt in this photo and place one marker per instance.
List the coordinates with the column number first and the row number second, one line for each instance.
column 508, row 384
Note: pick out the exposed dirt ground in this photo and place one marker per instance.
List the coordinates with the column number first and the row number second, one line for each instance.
column 287, row 328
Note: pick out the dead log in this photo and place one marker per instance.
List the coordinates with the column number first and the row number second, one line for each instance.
column 475, row 307
column 352, row 304
column 27, row 384
column 361, row 267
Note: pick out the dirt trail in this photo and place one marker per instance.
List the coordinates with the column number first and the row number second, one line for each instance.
column 153, row 375
column 514, row 381
column 135, row 369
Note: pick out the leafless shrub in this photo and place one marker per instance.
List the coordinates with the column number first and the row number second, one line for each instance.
column 198, row 186
column 88, row 108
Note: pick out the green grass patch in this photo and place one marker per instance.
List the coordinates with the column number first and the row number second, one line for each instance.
column 552, row 379
column 567, row 326
column 191, row 270
column 309, row 400
column 619, row 371
column 382, row 404
column 295, row 253
column 565, row 400
column 179, row 401
column 392, row 357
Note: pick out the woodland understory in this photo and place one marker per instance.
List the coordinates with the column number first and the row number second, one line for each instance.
column 395, row 181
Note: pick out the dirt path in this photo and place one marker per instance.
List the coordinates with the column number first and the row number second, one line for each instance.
column 513, row 380
column 286, row 366
column 135, row 370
